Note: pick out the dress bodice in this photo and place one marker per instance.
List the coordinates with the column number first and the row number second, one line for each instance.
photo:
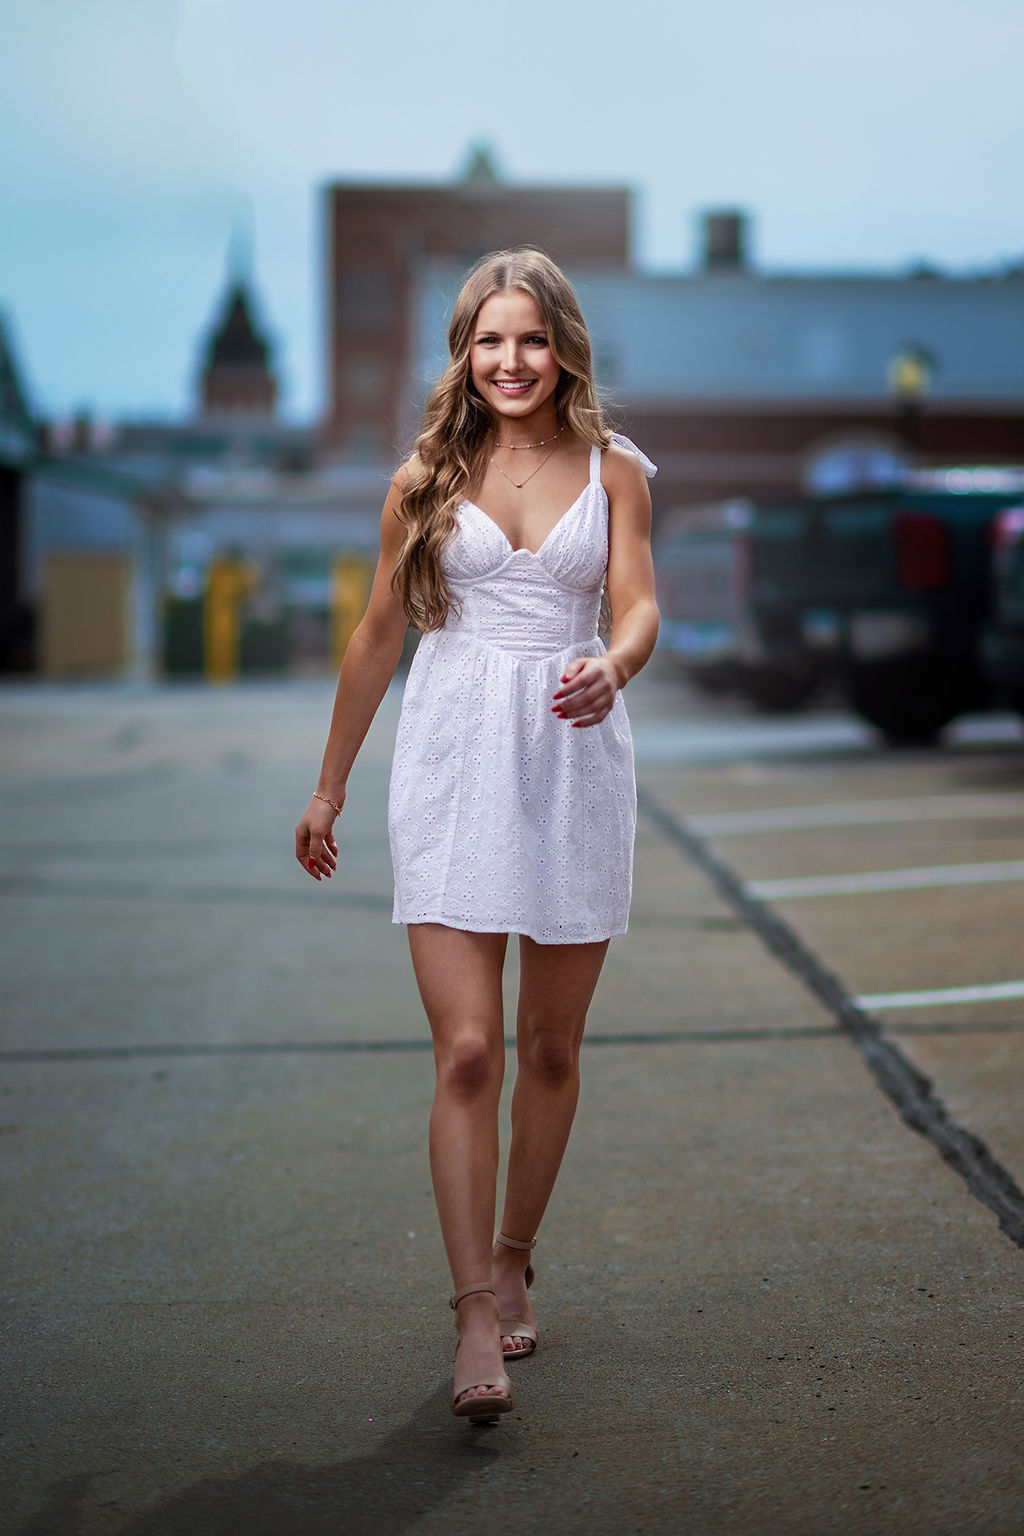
column 532, row 602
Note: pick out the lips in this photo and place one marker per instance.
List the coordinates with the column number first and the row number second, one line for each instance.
column 513, row 386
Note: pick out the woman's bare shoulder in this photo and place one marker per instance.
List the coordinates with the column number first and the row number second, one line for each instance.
column 405, row 473
column 621, row 469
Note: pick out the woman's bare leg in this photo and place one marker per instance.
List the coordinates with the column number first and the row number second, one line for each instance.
column 557, row 983
column 459, row 978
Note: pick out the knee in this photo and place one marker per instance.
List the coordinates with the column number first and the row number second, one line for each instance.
column 552, row 1057
column 469, row 1066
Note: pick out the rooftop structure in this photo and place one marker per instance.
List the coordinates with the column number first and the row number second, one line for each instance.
column 237, row 378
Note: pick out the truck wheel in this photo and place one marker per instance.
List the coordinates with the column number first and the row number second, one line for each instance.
column 778, row 691
column 909, row 702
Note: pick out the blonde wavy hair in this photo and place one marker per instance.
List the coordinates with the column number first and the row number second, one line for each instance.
column 452, row 448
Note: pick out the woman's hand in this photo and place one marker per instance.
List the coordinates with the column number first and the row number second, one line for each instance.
column 587, row 692
column 315, row 847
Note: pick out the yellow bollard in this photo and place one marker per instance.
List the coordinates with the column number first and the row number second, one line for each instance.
column 228, row 583
column 350, row 591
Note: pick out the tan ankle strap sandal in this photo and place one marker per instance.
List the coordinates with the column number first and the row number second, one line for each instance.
column 518, row 1327
column 497, row 1399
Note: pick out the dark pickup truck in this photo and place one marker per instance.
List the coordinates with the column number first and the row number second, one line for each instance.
column 702, row 567
column 888, row 590
column 1003, row 638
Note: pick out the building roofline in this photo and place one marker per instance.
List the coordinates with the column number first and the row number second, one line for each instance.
column 384, row 189
column 810, row 405
column 86, row 475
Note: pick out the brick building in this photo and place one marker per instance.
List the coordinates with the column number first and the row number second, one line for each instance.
column 378, row 239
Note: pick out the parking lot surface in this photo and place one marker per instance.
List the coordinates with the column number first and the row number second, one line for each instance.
column 779, row 1284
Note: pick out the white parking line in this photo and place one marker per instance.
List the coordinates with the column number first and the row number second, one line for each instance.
column 858, row 814
column 886, row 880
column 997, row 992
column 741, row 738
column 698, row 741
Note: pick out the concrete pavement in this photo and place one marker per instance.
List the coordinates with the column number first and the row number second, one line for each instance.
column 765, row 1305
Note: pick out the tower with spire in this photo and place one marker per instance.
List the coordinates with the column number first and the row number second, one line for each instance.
column 238, row 380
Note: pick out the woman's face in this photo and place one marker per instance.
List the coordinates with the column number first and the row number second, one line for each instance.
column 510, row 358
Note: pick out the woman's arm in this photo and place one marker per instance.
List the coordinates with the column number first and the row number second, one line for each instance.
column 371, row 657
column 590, row 683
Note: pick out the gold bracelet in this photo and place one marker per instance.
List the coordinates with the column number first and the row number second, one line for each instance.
column 326, row 798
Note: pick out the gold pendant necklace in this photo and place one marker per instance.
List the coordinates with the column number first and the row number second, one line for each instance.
column 520, row 483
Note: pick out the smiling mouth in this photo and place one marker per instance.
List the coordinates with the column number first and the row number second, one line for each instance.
column 513, row 386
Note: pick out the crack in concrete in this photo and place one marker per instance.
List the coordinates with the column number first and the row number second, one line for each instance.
column 185, row 1049
column 909, row 1090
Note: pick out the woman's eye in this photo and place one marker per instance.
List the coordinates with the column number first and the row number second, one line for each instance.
column 495, row 341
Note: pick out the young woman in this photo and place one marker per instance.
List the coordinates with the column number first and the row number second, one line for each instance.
column 512, row 804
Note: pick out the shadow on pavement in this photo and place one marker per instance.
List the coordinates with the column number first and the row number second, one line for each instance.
column 418, row 1467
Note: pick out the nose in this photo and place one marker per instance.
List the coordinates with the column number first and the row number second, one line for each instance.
column 510, row 356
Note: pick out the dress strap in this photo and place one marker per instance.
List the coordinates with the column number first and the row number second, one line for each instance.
column 650, row 470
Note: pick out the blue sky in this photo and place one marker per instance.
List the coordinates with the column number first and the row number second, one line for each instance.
column 138, row 133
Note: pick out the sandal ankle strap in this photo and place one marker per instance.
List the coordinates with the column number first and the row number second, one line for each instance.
column 469, row 1290
column 513, row 1242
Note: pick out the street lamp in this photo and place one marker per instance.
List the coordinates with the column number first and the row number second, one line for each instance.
column 910, row 376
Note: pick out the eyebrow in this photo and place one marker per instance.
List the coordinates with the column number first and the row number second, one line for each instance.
column 530, row 330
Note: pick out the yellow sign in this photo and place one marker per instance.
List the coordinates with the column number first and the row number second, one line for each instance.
column 228, row 584
column 350, row 591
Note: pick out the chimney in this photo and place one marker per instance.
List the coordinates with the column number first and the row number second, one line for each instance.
column 725, row 241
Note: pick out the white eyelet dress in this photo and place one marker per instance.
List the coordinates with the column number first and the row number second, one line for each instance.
column 504, row 818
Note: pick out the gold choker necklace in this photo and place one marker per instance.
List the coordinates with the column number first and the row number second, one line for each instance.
column 542, row 444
